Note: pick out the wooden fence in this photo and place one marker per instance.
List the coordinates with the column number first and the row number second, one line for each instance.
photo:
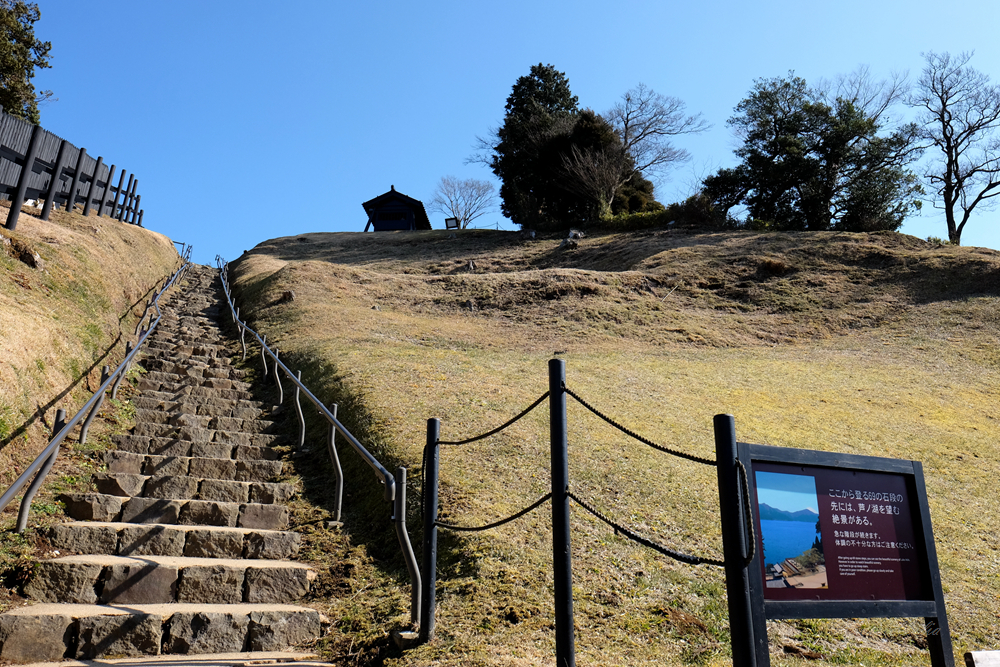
column 36, row 164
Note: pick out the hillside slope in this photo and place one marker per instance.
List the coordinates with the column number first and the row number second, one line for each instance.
column 64, row 316
column 876, row 344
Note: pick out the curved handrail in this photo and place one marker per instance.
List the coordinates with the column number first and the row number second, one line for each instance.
column 384, row 475
column 49, row 454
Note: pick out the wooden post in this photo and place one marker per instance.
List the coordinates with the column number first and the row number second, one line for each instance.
column 140, row 219
column 22, row 182
column 56, row 182
column 135, row 209
column 92, row 190
column 71, row 197
column 130, row 211
column 115, row 211
column 107, row 191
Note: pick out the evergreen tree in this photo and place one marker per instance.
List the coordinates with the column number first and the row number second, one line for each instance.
column 20, row 54
column 539, row 109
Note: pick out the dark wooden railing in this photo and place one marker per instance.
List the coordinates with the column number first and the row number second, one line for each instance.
column 36, row 164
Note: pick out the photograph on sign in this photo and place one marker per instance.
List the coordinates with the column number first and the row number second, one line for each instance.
column 790, row 531
column 836, row 534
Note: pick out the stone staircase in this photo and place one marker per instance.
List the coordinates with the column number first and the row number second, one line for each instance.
column 184, row 548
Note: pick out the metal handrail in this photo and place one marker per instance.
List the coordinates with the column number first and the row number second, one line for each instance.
column 392, row 495
column 384, row 475
column 108, row 379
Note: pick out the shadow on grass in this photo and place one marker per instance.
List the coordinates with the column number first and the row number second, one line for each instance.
column 41, row 411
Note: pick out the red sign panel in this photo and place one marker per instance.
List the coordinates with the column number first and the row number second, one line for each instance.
column 837, row 534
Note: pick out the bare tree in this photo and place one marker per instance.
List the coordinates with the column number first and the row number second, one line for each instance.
column 463, row 199
column 646, row 121
column 960, row 115
column 874, row 97
column 596, row 174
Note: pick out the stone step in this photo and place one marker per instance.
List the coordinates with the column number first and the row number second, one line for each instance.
column 106, row 579
column 289, row 658
column 191, row 367
column 57, row 631
column 200, row 405
column 247, row 468
column 178, row 390
column 137, row 539
column 185, row 487
column 220, row 445
column 104, row 507
column 203, row 349
column 206, row 422
column 186, row 379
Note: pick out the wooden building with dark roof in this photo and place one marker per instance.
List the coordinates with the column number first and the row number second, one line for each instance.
column 394, row 210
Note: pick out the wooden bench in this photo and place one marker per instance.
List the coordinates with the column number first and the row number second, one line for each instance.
column 982, row 659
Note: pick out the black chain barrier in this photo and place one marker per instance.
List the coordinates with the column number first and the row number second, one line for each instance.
column 676, row 555
column 632, row 434
column 496, row 524
column 635, row 537
column 523, row 414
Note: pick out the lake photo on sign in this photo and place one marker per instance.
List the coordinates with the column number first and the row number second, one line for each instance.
column 788, row 509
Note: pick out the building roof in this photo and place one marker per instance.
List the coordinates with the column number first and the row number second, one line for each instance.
column 422, row 221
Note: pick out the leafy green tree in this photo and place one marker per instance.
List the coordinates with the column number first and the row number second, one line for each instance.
column 539, row 109
column 816, row 161
column 960, row 118
column 21, row 53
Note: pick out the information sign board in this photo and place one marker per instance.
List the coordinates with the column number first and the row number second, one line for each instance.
column 833, row 536
column 836, row 534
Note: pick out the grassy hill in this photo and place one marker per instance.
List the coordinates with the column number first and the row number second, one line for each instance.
column 71, row 289
column 876, row 344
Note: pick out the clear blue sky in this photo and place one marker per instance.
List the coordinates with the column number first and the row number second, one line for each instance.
column 249, row 120
column 791, row 493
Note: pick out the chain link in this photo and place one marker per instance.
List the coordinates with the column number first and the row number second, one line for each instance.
column 666, row 450
column 496, row 524
column 523, row 414
column 676, row 555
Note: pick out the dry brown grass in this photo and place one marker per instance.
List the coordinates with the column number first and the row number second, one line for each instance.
column 874, row 344
column 61, row 322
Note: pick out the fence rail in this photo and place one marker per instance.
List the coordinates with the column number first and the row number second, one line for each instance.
column 37, row 164
column 395, row 486
column 36, row 472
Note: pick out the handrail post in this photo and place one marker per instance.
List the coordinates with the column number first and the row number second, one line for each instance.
column 734, row 543
column 338, row 471
column 562, row 566
column 263, row 352
column 430, row 512
column 298, row 409
column 22, row 513
column 277, row 378
column 118, row 380
column 105, row 374
column 399, row 518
